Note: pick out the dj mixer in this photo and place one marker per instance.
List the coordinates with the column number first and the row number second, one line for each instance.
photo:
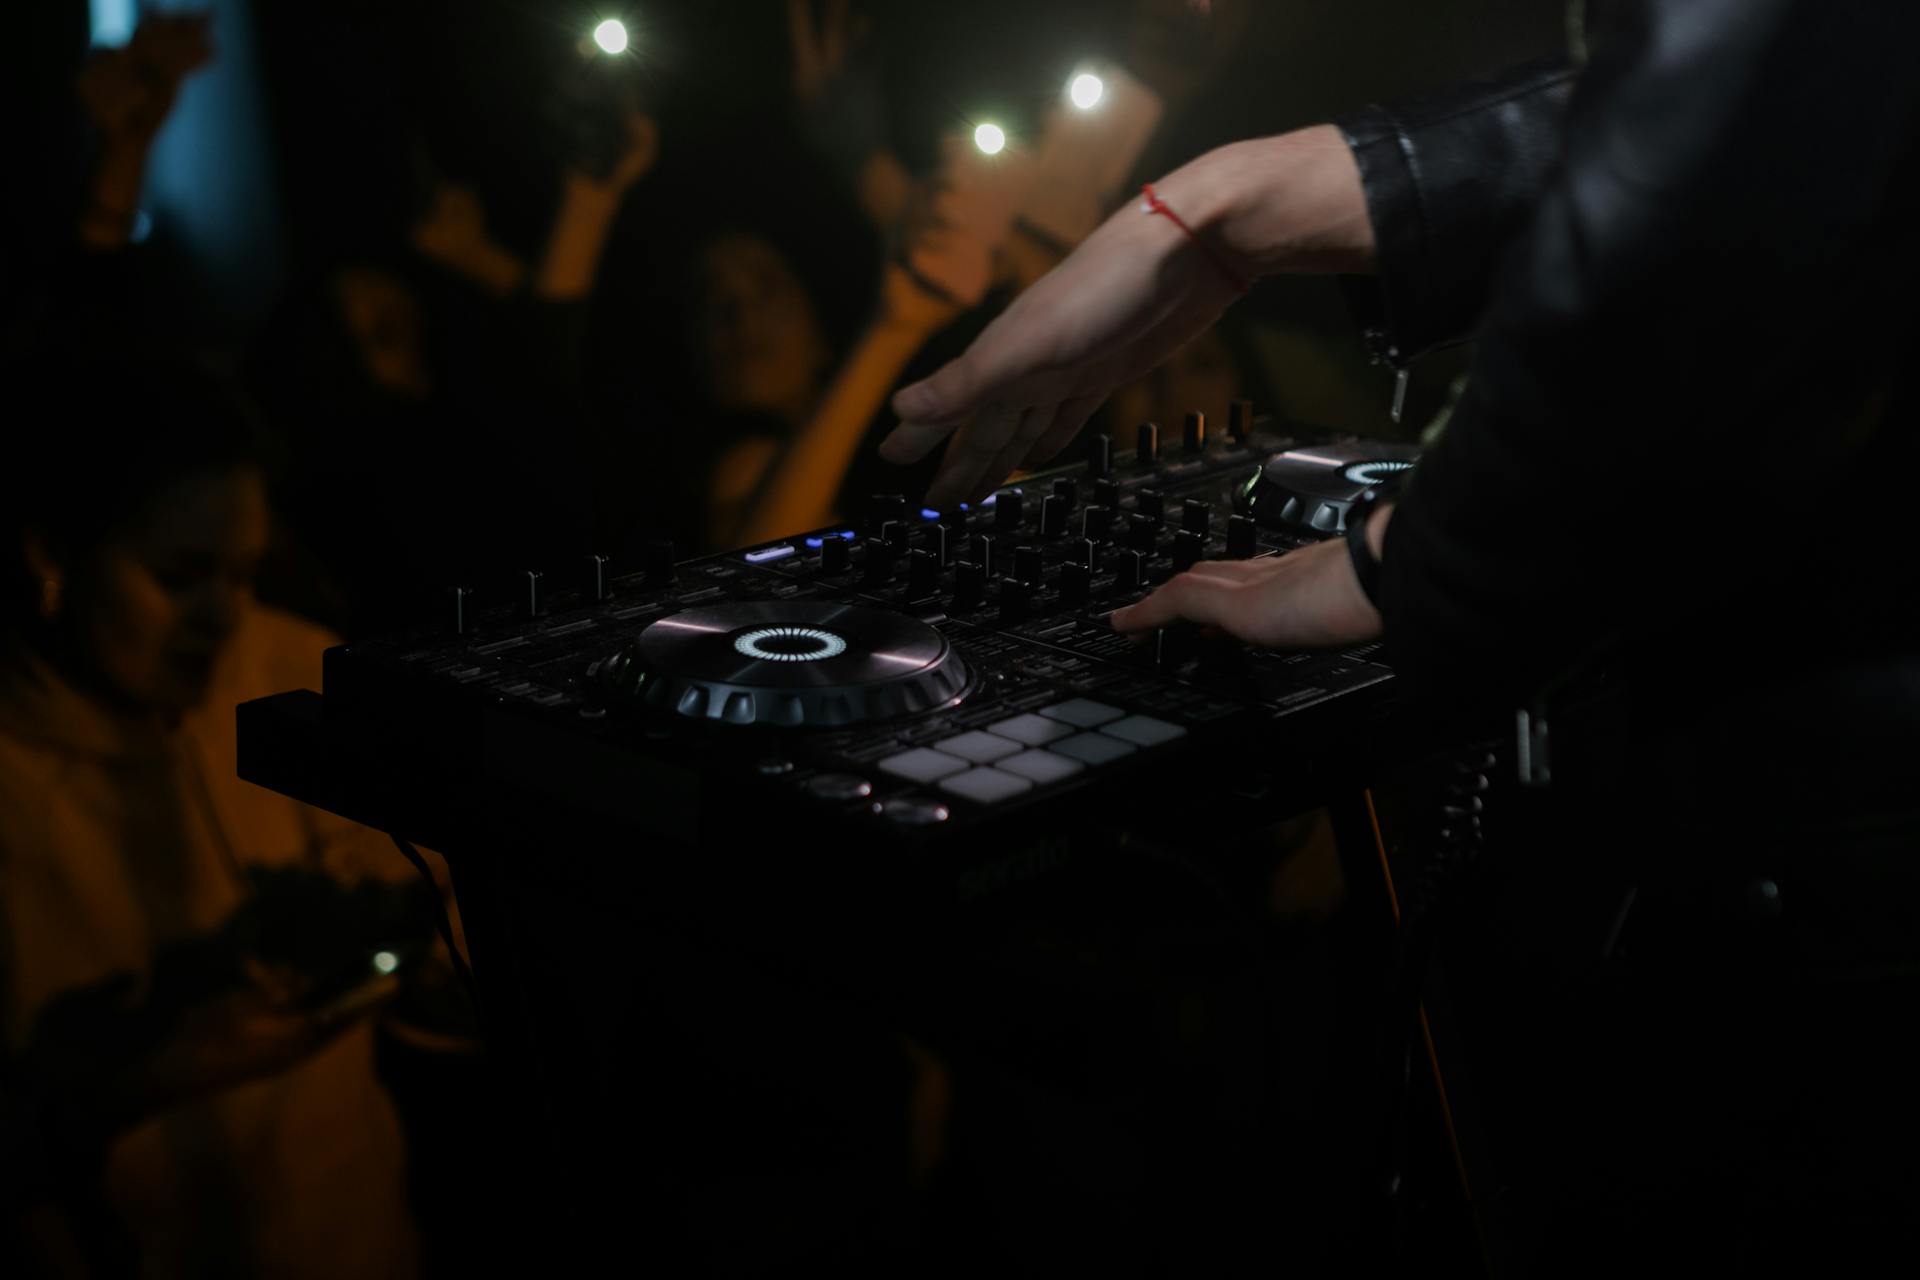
column 900, row 677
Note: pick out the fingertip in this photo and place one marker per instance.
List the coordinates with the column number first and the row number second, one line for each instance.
column 916, row 401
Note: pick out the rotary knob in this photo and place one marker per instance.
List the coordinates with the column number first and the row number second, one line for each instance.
column 836, row 555
column 1142, row 532
column 599, row 578
column 1106, row 493
column 1067, row 488
column 1099, row 455
column 1074, row 581
column 1028, row 566
column 1130, row 573
column 923, row 574
column 969, row 587
column 1008, row 510
column 1015, row 596
column 1188, row 547
column 878, row 568
column 1150, row 504
column 1146, row 444
column 1240, row 421
column 533, row 598
column 1240, row 537
column 1196, row 516
column 1053, row 515
column 1096, row 523
column 1193, row 434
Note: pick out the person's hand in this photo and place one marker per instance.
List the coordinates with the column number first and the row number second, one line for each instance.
column 820, row 49
column 1126, row 299
column 247, row 1034
column 129, row 91
column 1304, row 599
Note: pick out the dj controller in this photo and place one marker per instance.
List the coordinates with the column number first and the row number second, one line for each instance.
column 901, row 677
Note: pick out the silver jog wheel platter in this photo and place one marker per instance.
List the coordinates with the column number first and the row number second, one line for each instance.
column 790, row 663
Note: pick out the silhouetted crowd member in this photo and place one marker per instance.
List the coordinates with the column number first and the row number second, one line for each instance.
column 187, row 962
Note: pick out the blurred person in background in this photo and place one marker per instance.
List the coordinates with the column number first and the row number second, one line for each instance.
column 189, row 966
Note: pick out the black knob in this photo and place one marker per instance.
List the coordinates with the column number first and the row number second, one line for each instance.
column 1196, row 516
column 940, row 541
column 1240, row 421
column 987, row 553
column 1015, row 595
column 1130, row 573
column 923, row 574
column 878, row 568
column 1066, row 487
column 836, row 555
column 1193, row 433
column 599, row 578
column 1008, row 510
column 658, row 562
column 533, row 600
column 1172, row 646
column 1142, row 532
column 1146, row 444
column 969, row 587
column 1086, row 552
column 1099, row 454
column 1074, row 581
column 1240, row 537
column 1053, row 516
column 898, row 535
column 1106, row 493
column 882, row 507
column 1097, row 523
column 1028, row 565
column 1188, row 547
column 1150, row 504
column 462, row 611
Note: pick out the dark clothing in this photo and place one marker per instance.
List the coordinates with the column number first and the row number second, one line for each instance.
column 1684, row 406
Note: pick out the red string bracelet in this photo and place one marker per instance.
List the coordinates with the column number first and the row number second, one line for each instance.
column 1154, row 204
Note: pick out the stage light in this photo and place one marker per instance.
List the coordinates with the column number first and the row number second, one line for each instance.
column 611, row 36
column 990, row 138
column 385, row 961
column 1086, row 90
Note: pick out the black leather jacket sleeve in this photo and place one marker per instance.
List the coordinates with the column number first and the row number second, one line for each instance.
column 1693, row 355
column 1450, row 178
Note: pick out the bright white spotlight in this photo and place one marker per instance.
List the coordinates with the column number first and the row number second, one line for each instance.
column 611, row 36
column 990, row 138
column 385, row 961
column 1086, row 90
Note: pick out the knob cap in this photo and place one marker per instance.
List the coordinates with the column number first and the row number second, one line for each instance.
column 1146, row 444
column 533, row 600
column 1028, row 567
column 1097, row 523
column 1196, row 516
column 923, row 574
column 1053, row 516
column 1150, row 504
column 1008, row 510
column 898, row 536
column 461, row 600
column 836, row 555
column 969, row 587
column 1188, row 547
column 1106, row 493
column 878, row 568
column 1068, row 488
column 1193, row 433
column 1074, row 581
column 1240, row 537
column 940, row 541
column 1240, row 421
column 882, row 507
column 987, row 550
column 1099, row 454
column 1130, row 573
column 1015, row 596
column 1142, row 533
column 599, row 578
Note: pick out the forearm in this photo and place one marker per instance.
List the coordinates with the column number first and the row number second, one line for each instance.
column 802, row 496
column 579, row 237
column 113, row 196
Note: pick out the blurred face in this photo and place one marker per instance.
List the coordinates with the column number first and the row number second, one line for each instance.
column 148, row 612
column 759, row 338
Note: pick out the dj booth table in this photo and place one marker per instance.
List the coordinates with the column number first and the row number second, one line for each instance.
column 752, row 849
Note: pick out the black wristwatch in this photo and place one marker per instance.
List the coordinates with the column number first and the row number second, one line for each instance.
column 1366, row 566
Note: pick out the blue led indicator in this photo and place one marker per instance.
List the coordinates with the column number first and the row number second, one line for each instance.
column 815, row 543
column 928, row 513
column 848, row 534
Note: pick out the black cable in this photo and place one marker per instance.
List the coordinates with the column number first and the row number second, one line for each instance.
column 440, row 920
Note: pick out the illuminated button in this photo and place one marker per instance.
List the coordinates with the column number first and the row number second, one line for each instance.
column 981, row 748
column 922, row 764
column 1083, row 713
column 1093, row 748
column 1040, row 766
column 1035, row 731
column 767, row 554
column 985, row 786
column 1144, row 730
